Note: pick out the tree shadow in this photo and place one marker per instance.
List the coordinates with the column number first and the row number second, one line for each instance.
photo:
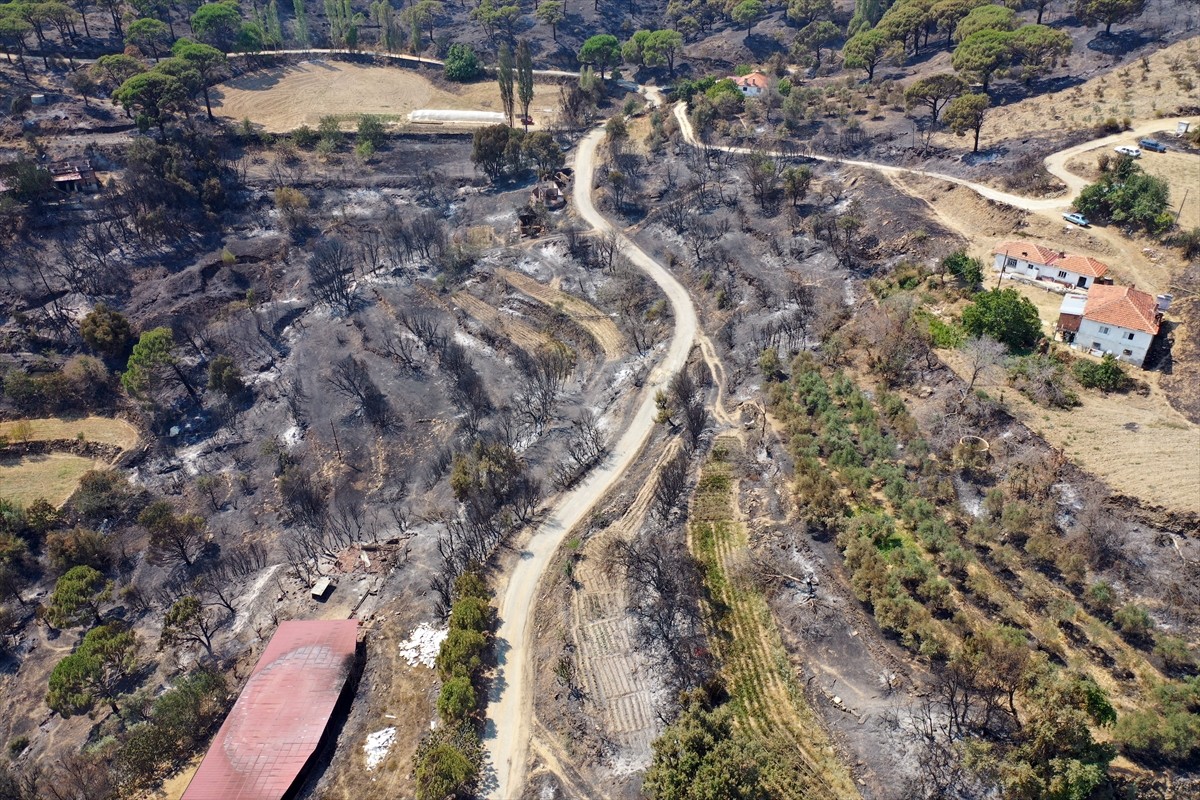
column 1119, row 43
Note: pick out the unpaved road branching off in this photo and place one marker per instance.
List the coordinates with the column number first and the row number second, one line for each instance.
column 510, row 709
column 1056, row 165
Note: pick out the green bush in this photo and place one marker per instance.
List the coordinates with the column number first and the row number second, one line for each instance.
column 968, row 270
column 305, row 137
column 462, row 64
column 371, row 130
column 471, row 614
column 461, row 654
column 457, row 700
column 1004, row 315
column 448, row 763
column 1174, row 652
column 1106, row 375
column 1127, row 195
column 1133, row 620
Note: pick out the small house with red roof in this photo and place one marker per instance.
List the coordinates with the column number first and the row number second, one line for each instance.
column 751, row 85
column 1040, row 263
column 1120, row 320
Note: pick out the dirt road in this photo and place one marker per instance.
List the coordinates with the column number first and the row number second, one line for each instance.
column 510, row 710
column 1055, row 164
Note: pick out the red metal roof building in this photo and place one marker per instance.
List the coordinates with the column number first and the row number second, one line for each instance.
column 276, row 726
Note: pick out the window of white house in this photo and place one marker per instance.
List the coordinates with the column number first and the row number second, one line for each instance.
column 1129, row 336
column 1010, row 262
column 1104, row 329
column 1127, row 352
column 1095, row 345
column 1062, row 273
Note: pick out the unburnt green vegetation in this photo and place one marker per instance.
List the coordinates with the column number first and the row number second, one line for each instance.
column 1031, row 658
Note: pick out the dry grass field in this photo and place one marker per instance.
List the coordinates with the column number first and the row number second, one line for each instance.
column 1140, row 446
column 1160, row 86
column 284, row 98
column 53, row 476
column 105, row 430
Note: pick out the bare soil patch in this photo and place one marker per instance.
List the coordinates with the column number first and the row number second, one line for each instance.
column 284, row 98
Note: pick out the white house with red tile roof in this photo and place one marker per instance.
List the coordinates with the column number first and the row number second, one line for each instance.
column 751, row 85
column 1040, row 263
column 1120, row 320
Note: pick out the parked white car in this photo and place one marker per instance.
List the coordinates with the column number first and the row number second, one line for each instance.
column 1126, row 150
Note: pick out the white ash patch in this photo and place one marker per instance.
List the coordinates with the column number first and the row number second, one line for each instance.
column 422, row 646
column 377, row 746
column 291, row 437
column 471, row 343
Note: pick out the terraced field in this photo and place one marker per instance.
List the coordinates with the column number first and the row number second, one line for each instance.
column 766, row 697
column 593, row 320
column 615, row 678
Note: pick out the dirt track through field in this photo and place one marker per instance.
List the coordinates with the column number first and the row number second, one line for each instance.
column 593, row 320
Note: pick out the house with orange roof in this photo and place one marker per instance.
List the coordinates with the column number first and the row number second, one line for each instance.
column 751, row 85
column 1120, row 320
column 1040, row 263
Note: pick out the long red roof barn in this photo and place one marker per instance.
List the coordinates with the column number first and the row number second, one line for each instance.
column 276, row 725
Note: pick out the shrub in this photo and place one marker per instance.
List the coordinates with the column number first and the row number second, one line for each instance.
column 1004, row 315
column 472, row 614
column 1127, row 195
column 104, row 494
column 448, row 763
column 1100, row 597
column 462, row 64
column 1174, row 652
column 305, row 137
column 969, row 271
column 1189, row 242
column 1133, row 620
column 76, row 547
column 1043, row 380
column 457, row 700
column 1106, row 375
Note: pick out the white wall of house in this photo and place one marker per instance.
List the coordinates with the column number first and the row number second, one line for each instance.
column 1114, row 339
column 1042, row 271
column 750, row 90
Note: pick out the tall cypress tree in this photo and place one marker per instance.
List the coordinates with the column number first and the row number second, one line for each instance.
column 300, row 26
column 524, row 79
column 504, row 73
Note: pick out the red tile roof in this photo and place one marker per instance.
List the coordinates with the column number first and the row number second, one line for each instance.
column 1081, row 265
column 1028, row 251
column 1123, row 306
column 277, row 722
column 755, row 79
column 1047, row 256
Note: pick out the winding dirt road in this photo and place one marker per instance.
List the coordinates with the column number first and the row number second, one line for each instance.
column 510, row 711
column 1055, row 164
column 511, row 708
